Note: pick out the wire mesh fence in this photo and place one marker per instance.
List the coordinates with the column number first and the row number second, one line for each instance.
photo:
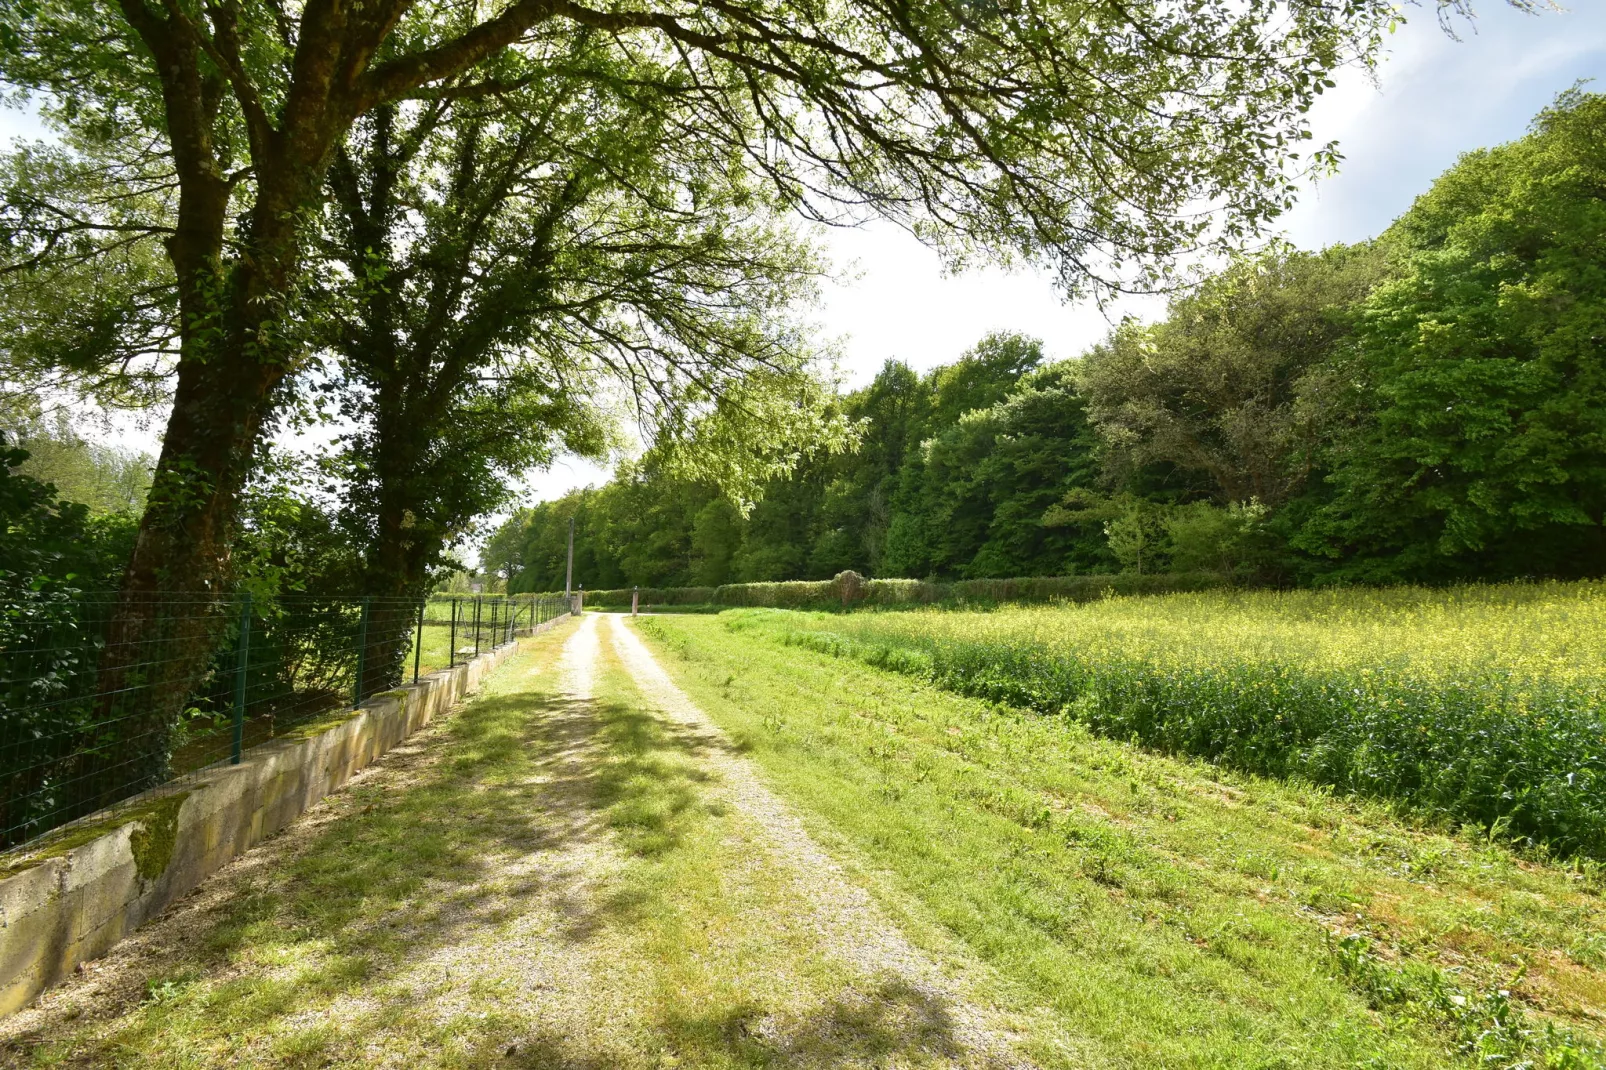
column 104, row 696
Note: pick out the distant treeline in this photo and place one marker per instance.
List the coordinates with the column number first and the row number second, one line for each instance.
column 849, row 589
column 1428, row 406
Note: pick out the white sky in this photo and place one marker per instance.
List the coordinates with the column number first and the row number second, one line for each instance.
column 1434, row 99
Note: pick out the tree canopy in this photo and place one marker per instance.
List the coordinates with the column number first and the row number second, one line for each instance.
column 1425, row 407
column 1483, row 373
column 1084, row 134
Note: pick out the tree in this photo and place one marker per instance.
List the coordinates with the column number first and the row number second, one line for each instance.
column 1083, row 135
column 51, row 551
column 87, row 299
column 716, row 535
column 845, row 520
column 499, row 268
column 1231, row 395
column 919, row 539
column 986, row 374
column 997, row 470
column 1482, row 375
column 103, row 478
column 1003, row 441
column 1231, row 540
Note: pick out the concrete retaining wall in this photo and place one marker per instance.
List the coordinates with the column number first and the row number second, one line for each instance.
column 101, row 878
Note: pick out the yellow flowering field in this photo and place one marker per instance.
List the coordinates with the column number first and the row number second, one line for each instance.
column 1477, row 705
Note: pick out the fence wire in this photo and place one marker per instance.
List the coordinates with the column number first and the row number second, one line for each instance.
column 104, row 696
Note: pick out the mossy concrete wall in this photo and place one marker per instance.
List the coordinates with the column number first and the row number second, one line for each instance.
column 72, row 897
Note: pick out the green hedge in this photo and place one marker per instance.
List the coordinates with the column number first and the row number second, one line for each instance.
column 651, row 596
column 849, row 589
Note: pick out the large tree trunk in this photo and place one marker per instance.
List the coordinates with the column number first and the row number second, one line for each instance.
column 397, row 567
column 234, row 345
column 171, row 612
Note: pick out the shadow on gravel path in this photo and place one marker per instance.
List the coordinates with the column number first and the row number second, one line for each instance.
column 546, row 878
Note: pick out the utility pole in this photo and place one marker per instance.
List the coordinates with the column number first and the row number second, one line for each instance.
column 568, row 577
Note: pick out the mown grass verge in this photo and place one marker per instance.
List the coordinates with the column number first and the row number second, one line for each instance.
column 1146, row 911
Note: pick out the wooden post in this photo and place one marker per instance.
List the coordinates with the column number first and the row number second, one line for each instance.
column 635, row 598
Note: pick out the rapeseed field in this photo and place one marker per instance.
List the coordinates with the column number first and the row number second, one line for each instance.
column 1472, row 706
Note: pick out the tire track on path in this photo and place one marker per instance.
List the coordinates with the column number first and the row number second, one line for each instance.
column 573, row 872
column 850, row 928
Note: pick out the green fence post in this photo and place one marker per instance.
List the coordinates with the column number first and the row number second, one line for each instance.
column 241, row 663
column 477, row 627
column 451, row 653
column 418, row 650
column 362, row 655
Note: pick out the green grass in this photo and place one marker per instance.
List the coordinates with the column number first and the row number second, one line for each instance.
column 437, row 641
column 549, row 884
column 1147, row 911
column 1476, row 705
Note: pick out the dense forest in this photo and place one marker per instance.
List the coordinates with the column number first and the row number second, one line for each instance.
column 1428, row 406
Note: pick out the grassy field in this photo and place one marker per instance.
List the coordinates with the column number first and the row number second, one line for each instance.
column 1477, row 705
column 437, row 635
column 1151, row 911
column 437, row 640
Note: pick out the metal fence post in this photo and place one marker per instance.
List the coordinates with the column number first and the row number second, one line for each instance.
column 362, row 655
column 476, row 627
column 418, row 650
column 241, row 664
column 451, row 653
